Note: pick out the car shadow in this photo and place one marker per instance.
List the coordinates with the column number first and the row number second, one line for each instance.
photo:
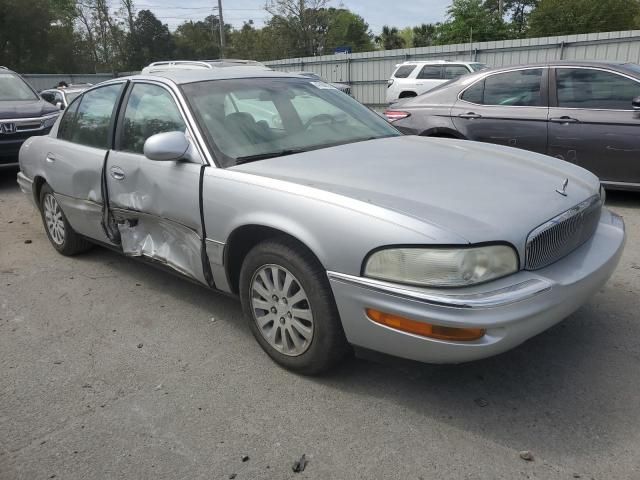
column 8, row 180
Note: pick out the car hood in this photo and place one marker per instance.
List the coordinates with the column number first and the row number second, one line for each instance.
column 25, row 109
column 478, row 191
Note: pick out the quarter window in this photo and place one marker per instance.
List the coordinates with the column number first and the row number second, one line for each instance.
column 430, row 72
column 93, row 120
column 474, row 93
column 454, row 71
column 519, row 88
column 150, row 110
column 595, row 89
column 404, row 71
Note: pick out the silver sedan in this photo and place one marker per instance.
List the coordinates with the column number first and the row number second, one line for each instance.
column 334, row 230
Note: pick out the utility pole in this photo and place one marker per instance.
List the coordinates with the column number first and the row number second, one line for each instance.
column 221, row 21
column 501, row 8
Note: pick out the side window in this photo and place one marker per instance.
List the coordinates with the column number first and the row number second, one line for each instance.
column 404, row 71
column 430, row 72
column 48, row 97
column 595, row 89
column 519, row 88
column 93, row 119
column 58, row 98
column 68, row 119
column 150, row 110
column 454, row 71
column 474, row 93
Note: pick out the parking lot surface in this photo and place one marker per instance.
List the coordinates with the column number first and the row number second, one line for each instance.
column 110, row 368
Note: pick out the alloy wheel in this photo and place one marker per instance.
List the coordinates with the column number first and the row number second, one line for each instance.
column 53, row 219
column 281, row 310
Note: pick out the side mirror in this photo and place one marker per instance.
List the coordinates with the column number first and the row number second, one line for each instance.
column 166, row 147
column 635, row 104
column 59, row 105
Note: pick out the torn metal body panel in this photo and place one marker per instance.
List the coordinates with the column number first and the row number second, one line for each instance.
column 157, row 208
column 161, row 240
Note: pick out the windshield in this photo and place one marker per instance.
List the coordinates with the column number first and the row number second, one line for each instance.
column 252, row 119
column 12, row 87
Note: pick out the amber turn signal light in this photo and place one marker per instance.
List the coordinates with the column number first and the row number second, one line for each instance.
column 425, row 329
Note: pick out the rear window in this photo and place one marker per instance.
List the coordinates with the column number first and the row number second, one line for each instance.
column 476, row 67
column 404, row 71
column 454, row 71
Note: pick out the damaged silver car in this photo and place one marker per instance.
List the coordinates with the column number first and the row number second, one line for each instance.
column 334, row 230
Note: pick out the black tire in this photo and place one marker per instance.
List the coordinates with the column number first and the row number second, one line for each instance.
column 328, row 345
column 72, row 243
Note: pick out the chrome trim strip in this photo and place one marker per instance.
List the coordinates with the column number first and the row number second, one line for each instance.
column 446, row 298
column 30, row 119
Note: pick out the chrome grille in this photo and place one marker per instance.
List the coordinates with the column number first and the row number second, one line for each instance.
column 561, row 235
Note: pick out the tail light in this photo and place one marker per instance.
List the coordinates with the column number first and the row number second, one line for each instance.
column 394, row 115
column 389, row 82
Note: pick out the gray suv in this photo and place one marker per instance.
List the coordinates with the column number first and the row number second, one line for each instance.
column 587, row 113
column 22, row 114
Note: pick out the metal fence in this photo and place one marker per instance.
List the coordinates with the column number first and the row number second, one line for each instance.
column 42, row 81
column 368, row 72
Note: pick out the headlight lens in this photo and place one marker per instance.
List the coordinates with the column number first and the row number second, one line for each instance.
column 49, row 121
column 442, row 267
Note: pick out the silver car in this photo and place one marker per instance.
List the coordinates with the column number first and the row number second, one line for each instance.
column 334, row 230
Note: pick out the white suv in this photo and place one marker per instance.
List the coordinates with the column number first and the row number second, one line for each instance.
column 411, row 79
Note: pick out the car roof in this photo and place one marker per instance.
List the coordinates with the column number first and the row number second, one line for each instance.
column 436, row 62
column 186, row 75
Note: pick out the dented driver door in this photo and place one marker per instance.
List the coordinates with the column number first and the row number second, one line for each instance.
column 155, row 203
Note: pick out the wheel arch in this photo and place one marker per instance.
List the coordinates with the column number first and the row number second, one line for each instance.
column 245, row 237
column 38, row 182
column 442, row 132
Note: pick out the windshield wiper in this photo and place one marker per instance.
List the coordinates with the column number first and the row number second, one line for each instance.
column 264, row 156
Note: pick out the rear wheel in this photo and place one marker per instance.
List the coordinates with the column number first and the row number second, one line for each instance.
column 61, row 235
column 288, row 302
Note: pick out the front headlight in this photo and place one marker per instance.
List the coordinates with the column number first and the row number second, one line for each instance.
column 442, row 267
column 49, row 120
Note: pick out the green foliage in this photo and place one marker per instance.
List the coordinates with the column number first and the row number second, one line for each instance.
column 560, row 17
column 471, row 19
column 390, row 38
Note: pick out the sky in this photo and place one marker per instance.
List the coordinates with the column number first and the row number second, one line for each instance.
column 398, row 13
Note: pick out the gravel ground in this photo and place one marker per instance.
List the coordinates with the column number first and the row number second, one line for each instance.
column 112, row 369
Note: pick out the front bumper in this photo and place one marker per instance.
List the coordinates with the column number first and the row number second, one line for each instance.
column 512, row 309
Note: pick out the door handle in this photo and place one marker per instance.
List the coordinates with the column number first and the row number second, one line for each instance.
column 470, row 115
column 50, row 157
column 117, row 173
column 564, row 120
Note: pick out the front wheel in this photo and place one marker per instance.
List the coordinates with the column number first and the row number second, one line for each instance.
column 61, row 235
column 288, row 302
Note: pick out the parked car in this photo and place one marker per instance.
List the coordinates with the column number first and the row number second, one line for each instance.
column 343, row 87
column 62, row 97
column 335, row 231
column 587, row 113
column 22, row 114
column 410, row 79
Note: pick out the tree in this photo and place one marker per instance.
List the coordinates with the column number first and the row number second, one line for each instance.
column 303, row 22
column 155, row 42
column 345, row 28
column 424, row 35
column 471, row 19
column 198, row 40
column 564, row 17
column 390, row 39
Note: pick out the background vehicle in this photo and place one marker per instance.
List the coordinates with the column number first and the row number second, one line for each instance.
column 332, row 227
column 22, row 114
column 587, row 113
column 414, row 78
column 343, row 87
column 62, row 97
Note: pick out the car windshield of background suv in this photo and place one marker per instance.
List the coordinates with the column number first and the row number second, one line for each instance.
column 14, row 88
column 254, row 119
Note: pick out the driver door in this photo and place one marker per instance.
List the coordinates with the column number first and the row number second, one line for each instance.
column 156, row 203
